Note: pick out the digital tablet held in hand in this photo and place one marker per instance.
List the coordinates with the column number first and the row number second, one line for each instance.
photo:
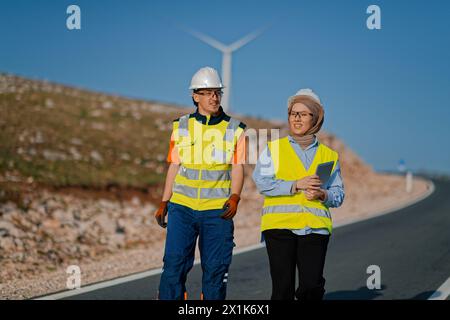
column 324, row 172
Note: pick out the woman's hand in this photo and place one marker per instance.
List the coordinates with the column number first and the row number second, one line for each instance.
column 309, row 182
column 312, row 194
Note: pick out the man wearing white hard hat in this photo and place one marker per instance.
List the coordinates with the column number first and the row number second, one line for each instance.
column 202, row 191
column 296, row 221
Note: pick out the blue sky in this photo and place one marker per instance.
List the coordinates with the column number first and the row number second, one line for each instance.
column 386, row 92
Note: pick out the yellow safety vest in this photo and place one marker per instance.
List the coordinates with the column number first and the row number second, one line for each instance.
column 295, row 211
column 203, row 181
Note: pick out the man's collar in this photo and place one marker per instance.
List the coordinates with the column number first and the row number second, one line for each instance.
column 212, row 119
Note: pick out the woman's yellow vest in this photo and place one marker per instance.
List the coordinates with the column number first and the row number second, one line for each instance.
column 203, row 181
column 295, row 211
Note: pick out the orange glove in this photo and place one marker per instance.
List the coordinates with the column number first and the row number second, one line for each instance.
column 161, row 213
column 230, row 206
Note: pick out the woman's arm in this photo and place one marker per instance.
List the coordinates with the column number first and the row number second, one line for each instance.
column 264, row 177
column 335, row 189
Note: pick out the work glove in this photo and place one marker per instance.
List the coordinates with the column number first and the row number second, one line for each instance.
column 230, row 206
column 161, row 213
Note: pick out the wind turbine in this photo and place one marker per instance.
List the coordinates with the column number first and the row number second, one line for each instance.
column 226, row 58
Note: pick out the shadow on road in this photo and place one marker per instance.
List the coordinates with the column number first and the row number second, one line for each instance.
column 422, row 296
column 362, row 293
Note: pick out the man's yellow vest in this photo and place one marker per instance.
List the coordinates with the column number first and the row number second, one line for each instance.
column 295, row 211
column 203, row 181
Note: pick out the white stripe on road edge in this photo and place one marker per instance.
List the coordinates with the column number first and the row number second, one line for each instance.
column 442, row 293
column 100, row 285
column 430, row 190
column 140, row 275
column 137, row 276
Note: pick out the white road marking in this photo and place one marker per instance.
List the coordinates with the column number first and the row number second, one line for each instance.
column 100, row 285
column 137, row 276
column 442, row 293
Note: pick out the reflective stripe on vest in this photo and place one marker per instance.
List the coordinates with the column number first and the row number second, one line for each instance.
column 205, row 193
column 208, row 175
column 183, row 127
column 231, row 129
column 216, row 175
column 190, row 192
column 191, row 174
column 293, row 208
column 214, row 193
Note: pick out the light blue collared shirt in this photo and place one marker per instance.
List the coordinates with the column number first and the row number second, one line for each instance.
column 268, row 185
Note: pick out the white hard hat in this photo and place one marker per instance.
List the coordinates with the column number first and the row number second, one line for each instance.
column 305, row 92
column 206, row 77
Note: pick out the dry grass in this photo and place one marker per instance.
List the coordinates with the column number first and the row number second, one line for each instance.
column 59, row 136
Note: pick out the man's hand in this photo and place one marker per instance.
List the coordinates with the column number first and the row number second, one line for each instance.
column 230, row 206
column 161, row 213
column 312, row 194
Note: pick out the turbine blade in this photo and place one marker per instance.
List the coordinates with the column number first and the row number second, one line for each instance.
column 208, row 40
column 201, row 36
column 248, row 38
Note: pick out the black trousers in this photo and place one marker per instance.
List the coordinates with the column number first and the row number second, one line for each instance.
column 288, row 252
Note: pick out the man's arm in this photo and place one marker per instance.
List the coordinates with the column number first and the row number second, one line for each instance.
column 173, row 159
column 237, row 169
column 237, row 178
column 170, row 178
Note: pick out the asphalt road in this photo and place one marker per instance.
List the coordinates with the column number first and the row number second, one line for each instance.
column 411, row 247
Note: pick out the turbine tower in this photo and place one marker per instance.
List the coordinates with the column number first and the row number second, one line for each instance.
column 226, row 58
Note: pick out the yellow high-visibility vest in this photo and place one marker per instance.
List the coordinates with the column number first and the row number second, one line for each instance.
column 295, row 211
column 203, row 181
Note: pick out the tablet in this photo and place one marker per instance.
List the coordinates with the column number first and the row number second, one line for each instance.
column 324, row 172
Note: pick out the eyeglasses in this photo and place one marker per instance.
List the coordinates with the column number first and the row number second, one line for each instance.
column 303, row 114
column 210, row 93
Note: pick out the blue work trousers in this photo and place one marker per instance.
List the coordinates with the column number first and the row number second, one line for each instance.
column 215, row 240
